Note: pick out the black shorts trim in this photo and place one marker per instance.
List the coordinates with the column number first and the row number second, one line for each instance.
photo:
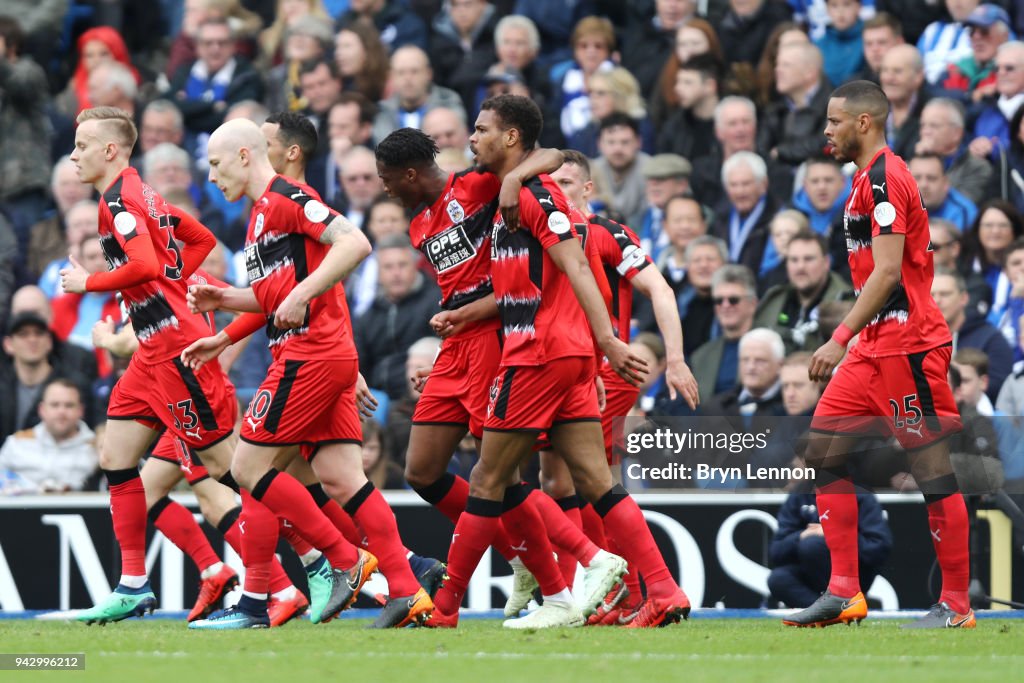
column 924, row 390
column 320, row 444
column 921, row 447
column 268, row 444
column 148, row 418
column 827, row 432
column 281, row 394
column 163, row 459
column 200, row 479
column 199, row 400
column 575, row 419
column 212, row 443
column 522, row 430
column 440, row 424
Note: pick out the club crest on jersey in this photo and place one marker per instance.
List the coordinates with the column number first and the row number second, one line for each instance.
column 455, row 211
column 257, row 229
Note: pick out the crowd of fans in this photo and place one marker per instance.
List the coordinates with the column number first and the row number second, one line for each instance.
column 704, row 120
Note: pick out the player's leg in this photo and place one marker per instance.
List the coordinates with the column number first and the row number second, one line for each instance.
column 556, row 483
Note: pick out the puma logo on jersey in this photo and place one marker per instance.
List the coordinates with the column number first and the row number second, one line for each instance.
column 194, row 435
column 546, row 200
column 117, row 202
column 880, row 188
column 253, row 424
column 298, row 194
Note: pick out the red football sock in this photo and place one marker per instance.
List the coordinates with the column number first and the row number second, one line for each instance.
column 258, row 532
column 947, row 520
column 573, row 513
column 339, row 518
column 523, row 520
column 631, row 579
column 128, row 512
column 180, row 528
column 625, row 523
column 449, row 494
column 287, row 498
column 288, row 532
column 474, row 533
column 562, row 532
column 228, row 527
column 566, row 562
column 593, row 527
column 369, row 509
column 837, row 513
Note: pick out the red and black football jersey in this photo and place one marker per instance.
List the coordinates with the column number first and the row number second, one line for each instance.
column 131, row 209
column 282, row 248
column 621, row 257
column 454, row 233
column 885, row 199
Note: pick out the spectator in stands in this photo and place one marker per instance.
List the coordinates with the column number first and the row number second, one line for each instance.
column 30, row 299
column 517, row 44
column 462, row 46
column 612, row 91
column 987, row 243
column 398, row 317
column 971, row 331
column 305, row 41
column 24, row 134
column 842, row 45
column 161, row 122
column 705, row 255
column 418, row 361
column 941, row 199
column 618, row 173
column 95, row 46
column 384, row 218
column 447, row 127
column 942, row 133
column 379, row 468
column 395, row 23
column 745, row 29
column 800, row 557
column 647, row 46
column 415, row 93
column 653, row 397
column 41, row 23
column 882, row 32
column 81, row 220
column 992, row 124
column 59, row 453
column 791, row 309
column 784, row 225
column 666, row 176
column 350, row 122
column 28, row 343
column 760, row 84
column 113, row 85
column 1008, row 304
column 742, row 218
column 689, row 130
column 1011, row 174
column 973, row 77
column 684, row 222
column 715, row 364
column 272, row 40
column 793, row 126
column 902, row 80
column 245, row 25
column 217, row 79
column 359, row 183
column 696, row 37
column 944, row 42
column 593, row 44
column 362, row 59
column 47, row 238
column 321, row 85
column 168, row 168
column 823, row 193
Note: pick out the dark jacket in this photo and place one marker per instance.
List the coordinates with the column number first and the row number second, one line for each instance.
column 456, row 67
column 686, row 135
column 9, row 406
column 743, row 39
column 874, row 539
column 754, row 246
column 903, row 140
column 706, row 179
column 25, row 130
column 976, row 333
column 798, row 133
column 202, row 116
column 774, row 311
column 397, row 25
column 645, row 49
column 386, row 331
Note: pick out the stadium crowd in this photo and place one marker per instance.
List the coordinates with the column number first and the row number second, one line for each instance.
column 703, row 121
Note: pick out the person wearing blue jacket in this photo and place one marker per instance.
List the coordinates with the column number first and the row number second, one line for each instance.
column 842, row 45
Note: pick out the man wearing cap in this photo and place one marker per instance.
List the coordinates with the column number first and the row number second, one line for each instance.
column 665, row 176
column 28, row 344
column 973, row 77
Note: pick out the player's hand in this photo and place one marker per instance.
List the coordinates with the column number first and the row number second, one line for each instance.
column 447, row 323
column 366, row 402
column 291, row 313
column 602, row 395
column 508, row 201
column 419, row 379
column 681, row 381
column 202, row 351
column 628, row 365
column 204, row 298
column 102, row 332
column 72, row 278
column 812, row 530
column 980, row 147
column 825, row 360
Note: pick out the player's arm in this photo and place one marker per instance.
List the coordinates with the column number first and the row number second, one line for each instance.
column 887, row 253
column 536, row 162
column 206, row 298
column 447, row 323
column 238, row 331
column 652, row 284
column 121, row 343
column 142, row 266
column 198, row 241
column 568, row 256
column 349, row 247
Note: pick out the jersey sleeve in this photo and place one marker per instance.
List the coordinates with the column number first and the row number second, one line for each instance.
column 481, row 183
column 619, row 247
column 126, row 212
column 544, row 211
column 198, row 241
column 893, row 194
column 295, row 210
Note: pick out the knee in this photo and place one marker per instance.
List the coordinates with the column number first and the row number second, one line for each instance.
column 245, row 472
column 420, row 475
column 486, row 482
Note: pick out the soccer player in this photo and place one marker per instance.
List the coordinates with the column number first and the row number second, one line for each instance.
column 546, row 294
column 138, row 233
column 902, row 354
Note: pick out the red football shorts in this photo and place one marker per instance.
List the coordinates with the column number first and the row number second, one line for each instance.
column 170, row 448
column 905, row 396
column 198, row 407
column 528, row 398
column 456, row 392
column 305, row 403
column 620, row 397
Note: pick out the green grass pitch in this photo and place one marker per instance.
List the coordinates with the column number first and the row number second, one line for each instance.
column 480, row 651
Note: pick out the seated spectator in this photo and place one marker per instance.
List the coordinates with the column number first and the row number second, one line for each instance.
column 941, row 200
column 167, row 169
column 793, row 126
column 745, row 28
column 944, row 42
column 397, row 26
column 689, row 130
column 666, row 176
column 453, row 160
column 305, row 41
column 321, row 86
column 414, row 94
column 882, row 33
column 696, row 37
column 612, row 91
column 651, row 348
column 81, row 221
column 48, row 237
column 902, row 80
column 758, row 391
column 842, row 45
column 160, row 122
column 992, row 123
column 684, row 222
column 30, row 299
column 784, row 225
column 987, row 244
column 791, row 309
column 398, row 317
column 823, row 193
column 272, row 39
column 113, row 85
column 462, row 46
column 973, row 76
column 362, row 59
column 742, row 218
column 517, row 44
column 946, row 242
column 761, row 84
column 418, row 362
column 384, row 218
column 1008, row 306
column 349, row 123
column 648, row 44
column 619, row 183
column 379, row 468
column 360, row 184
column 715, row 364
column 1010, row 402
column 975, row 451
column 942, row 133
column 704, row 256
column 799, row 555
column 593, row 44
column 58, row 454
column 245, row 25
column 447, row 127
column 95, row 46
column 950, row 294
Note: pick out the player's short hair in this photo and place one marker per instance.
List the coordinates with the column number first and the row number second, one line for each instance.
column 961, row 283
column 619, row 119
column 976, row 358
column 406, row 148
column 296, row 129
column 653, row 342
column 578, row 159
column 521, row 113
column 708, row 241
column 884, row 20
column 864, row 97
column 770, row 337
column 808, row 235
column 116, row 121
column 61, row 382
column 799, row 358
column 734, row 274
